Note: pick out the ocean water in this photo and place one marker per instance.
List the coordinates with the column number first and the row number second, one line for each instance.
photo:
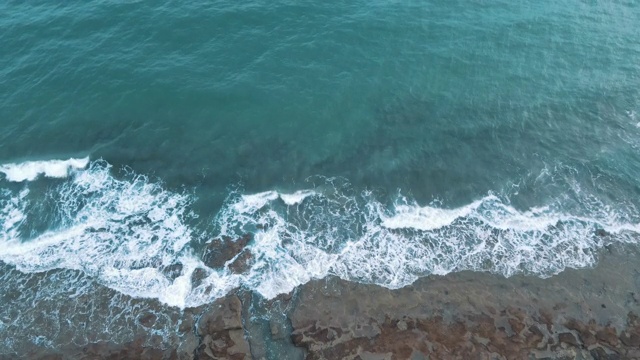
column 377, row 141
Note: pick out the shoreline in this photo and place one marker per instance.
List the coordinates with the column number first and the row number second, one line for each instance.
column 578, row 314
column 591, row 313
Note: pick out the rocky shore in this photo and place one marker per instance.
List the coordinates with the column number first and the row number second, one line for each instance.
column 578, row 314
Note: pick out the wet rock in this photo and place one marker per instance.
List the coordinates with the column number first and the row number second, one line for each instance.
column 242, row 262
column 483, row 325
column 569, row 339
column 285, row 298
column 197, row 276
column 186, row 323
column 221, row 331
column 516, row 325
column 534, row 337
column 630, row 338
column 516, row 322
column 583, row 330
column 458, row 316
column 222, row 346
column 607, row 336
column 633, row 320
column 46, row 357
column 225, row 314
column 375, row 356
column 219, row 251
column 600, row 354
column 277, row 332
column 147, row 320
column 240, row 348
column 187, row 347
column 547, row 319
column 135, row 349
column 480, row 317
column 298, row 339
column 172, row 271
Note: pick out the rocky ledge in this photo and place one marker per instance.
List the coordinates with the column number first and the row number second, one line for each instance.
column 578, row 314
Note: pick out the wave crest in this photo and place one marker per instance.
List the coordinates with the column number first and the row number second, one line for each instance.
column 127, row 232
column 30, row 170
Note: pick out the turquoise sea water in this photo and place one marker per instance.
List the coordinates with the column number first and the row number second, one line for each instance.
column 376, row 141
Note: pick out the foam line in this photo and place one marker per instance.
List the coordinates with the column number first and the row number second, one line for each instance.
column 123, row 232
column 425, row 218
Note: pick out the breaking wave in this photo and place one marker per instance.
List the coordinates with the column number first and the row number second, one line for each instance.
column 30, row 170
column 133, row 235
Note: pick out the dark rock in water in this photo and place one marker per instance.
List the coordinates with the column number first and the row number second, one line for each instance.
column 631, row 336
column 242, row 263
column 132, row 350
column 607, row 336
column 631, row 339
column 219, row 251
column 285, row 298
column 516, row 325
column 187, row 323
column 601, row 354
column 277, row 332
column 172, row 271
column 197, row 276
column 602, row 232
column 568, row 338
column 147, row 320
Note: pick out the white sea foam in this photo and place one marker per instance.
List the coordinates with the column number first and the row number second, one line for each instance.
column 297, row 197
column 12, row 212
column 489, row 210
column 121, row 232
column 251, row 203
column 394, row 248
column 30, row 170
column 425, row 218
column 124, row 232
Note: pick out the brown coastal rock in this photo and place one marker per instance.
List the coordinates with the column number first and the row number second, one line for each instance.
column 221, row 332
column 242, row 262
column 580, row 314
column 476, row 316
column 221, row 250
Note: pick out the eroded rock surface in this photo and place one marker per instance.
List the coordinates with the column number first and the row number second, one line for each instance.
column 579, row 314
column 221, row 332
